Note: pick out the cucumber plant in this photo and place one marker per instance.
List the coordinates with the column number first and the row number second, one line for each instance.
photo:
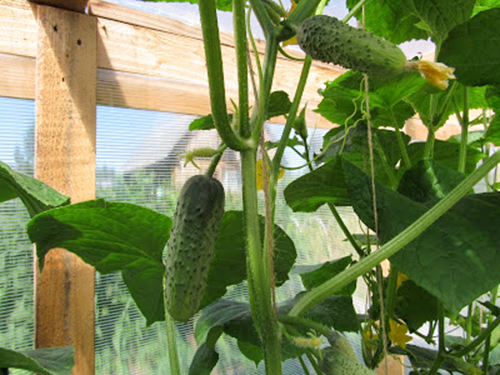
column 416, row 198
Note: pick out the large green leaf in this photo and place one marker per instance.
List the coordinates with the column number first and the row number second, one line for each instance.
column 429, row 180
column 229, row 264
column 111, row 237
column 315, row 275
column 415, row 305
column 204, row 360
column 343, row 99
column 493, row 133
column 440, row 16
column 473, row 49
column 325, row 184
column 46, row 361
column 448, row 257
column 36, row 196
column 391, row 20
column 447, row 153
column 482, row 5
column 235, row 318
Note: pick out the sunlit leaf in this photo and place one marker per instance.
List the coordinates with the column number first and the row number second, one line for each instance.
column 35, row 195
column 45, row 361
column 473, row 49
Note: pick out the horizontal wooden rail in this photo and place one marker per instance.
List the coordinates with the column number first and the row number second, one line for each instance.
column 142, row 52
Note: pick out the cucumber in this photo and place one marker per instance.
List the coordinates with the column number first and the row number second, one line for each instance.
column 191, row 246
column 330, row 40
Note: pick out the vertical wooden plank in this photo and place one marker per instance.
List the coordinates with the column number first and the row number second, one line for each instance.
column 395, row 366
column 66, row 75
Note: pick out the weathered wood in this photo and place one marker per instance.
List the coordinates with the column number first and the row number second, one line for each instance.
column 74, row 5
column 65, row 159
column 18, row 76
column 395, row 366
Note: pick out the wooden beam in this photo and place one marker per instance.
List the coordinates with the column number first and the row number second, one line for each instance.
column 65, row 159
column 74, row 5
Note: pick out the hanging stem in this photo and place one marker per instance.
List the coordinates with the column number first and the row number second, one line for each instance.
column 240, row 40
column 211, row 41
column 259, row 282
column 365, row 265
column 465, row 132
column 441, row 344
column 173, row 357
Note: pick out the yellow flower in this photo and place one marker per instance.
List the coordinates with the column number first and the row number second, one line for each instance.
column 260, row 174
column 370, row 339
column 435, row 73
column 401, row 279
column 398, row 333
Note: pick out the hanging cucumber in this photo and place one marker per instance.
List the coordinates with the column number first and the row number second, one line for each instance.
column 191, row 246
column 330, row 40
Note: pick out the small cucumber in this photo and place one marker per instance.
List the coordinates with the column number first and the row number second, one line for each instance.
column 191, row 246
column 330, row 40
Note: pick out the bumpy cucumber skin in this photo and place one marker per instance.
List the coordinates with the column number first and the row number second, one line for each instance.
column 330, row 40
column 191, row 246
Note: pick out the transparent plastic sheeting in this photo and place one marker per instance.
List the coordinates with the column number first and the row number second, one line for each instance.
column 138, row 161
column 17, row 121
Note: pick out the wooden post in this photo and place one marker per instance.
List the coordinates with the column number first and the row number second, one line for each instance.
column 66, row 74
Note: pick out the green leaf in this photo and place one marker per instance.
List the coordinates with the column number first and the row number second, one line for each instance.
column 343, row 99
column 35, row 195
column 251, row 351
column 482, row 5
column 423, row 358
column 415, row 305
column 225, row 5
column 446, row 259
column 427, row 98
column 228, row 266
column 441, row 16
column 493, row 133
column 473, row 49
column 46, row 361
column 279, row 104
column 206, row 122
column 204, row 360
column 391, row 20
column 111, row 237
column 446, row 153
column 429, row 180
column 353, row 145
column 235, row 318
column 325, row 184
column 315, row 275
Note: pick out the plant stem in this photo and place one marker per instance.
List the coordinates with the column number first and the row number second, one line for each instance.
column 465, row 132
column 314, row 363
column 211, row 41
column 479, row 339
column 263, row 18
column 259, row 282
column 173, row 357
column 215, row 161
column 387, row 167
column 240, row 41
column 401, row 143
column 304, row 367
column 346, row 231
column 292, row 115
column 260, row 111
column 310, row 324
column 329, row 287
column 441, row 343
column 355, row 10
column 391, row 293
